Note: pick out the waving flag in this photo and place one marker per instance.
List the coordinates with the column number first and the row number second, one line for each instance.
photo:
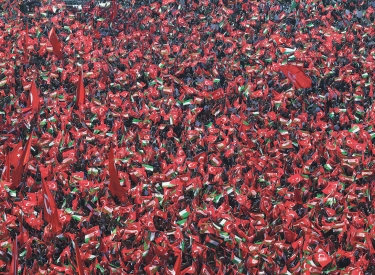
column 114, row 10
column 53, row 39
column 114, row 184
column 25, row 44
column 80, row 90
column 297, row 76
column 14, row 265
column 6, row 171
column 18, row 171
column 16, row 153
column 81, row 270
column 34, row 97
column 50, row 209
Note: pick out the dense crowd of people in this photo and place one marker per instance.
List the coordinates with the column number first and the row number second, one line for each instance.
column 227, row 167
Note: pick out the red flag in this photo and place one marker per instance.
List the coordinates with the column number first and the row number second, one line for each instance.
column 81, row 270
column 114, row 10
column 53, row 39
column 16, row 153
column 34, row 97
column 80, row 90
column 17, row 173
column 297, row 76
column 114, row 183
column 14, row 265
column 50, row 209
column 6, row 171
column 177, row 264
column 25, row 43
column 27, row 32
column 24, row 236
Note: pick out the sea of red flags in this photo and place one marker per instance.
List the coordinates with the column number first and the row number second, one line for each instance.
column 200, row 162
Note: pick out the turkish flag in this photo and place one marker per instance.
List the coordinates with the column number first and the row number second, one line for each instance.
column 114, row 183
column 80, row 90
column 6, row 171
column 53, row 39
column 34, row 97
column 297, row 76
column 14, row 265
column 18, row 171
column 51, row 214
column 81, row 270
column 15, row 155
column 24, row 235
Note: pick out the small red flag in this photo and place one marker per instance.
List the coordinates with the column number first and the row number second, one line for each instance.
column 81, row 270
column 14, row 265
column 114, row 183
column 80, row 90
column 53, row 39
column 297, row 76
column 51, row 214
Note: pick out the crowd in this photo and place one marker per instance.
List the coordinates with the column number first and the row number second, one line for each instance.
column 226, row 167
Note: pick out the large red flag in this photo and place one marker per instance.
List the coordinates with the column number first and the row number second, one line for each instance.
column 18, row 171
column 80, row 90
column 51, row 214
column 297, row 76
column 34, row 97
column 114, row 183
column 53, row 39
column 14, row 264
column 81, row 270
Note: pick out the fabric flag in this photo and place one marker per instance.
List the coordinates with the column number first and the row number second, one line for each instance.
column 297, row 76
column 177, row 265
column 114, row 10
column 25, row 44
column 18, row 171
column 50, row 209
column 23, row 237
column 16, row 153
column 6, row 171
column 80, row 90
column 14, row 265
column 53, row 39
column 81, row 270
column 114, row 184
column 34, row 97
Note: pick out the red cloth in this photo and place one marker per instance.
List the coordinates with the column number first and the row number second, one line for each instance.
column 51, row 214
column 296, row 76
column 56, row 45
